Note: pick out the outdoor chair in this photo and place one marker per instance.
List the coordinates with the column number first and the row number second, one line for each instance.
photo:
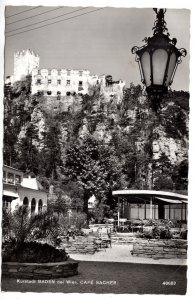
column 98, row 242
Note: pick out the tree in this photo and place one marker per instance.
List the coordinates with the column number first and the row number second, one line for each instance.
column 28, row 154
column 180, row 175
column 162, row 182
column 94, row 169
column 52, row 151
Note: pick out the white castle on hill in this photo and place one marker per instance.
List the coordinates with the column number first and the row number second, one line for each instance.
column 62, row 82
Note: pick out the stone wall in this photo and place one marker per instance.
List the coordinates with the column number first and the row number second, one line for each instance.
column 173, row 248
column 40, row 271
column 158, row 249
column 123, row 240
column 82, row 245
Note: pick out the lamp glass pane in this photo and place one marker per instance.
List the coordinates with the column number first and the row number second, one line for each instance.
column 171, row 68
column 145, row 64
column 159, row 62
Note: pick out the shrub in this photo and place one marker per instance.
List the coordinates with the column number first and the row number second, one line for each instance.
column 75, row 221
column 33, row 252
column 20, row 230
column 160, row 229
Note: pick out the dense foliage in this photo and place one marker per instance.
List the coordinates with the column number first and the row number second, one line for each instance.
column 96, row 147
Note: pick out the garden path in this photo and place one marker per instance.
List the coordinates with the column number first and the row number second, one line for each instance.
column 121, row 253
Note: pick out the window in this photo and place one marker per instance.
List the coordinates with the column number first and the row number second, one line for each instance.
column 10, row 178
column 49, row 92
column 38, row 81
column 67, row 93
column 40, row 206
column 80, row 83
column 4, row 176
column 6, row 205
column 25, row 202
column 68, row 82
column 17, row 179
column 49, row 81
column 58, row 95
column 33, row 205
column 59, row 81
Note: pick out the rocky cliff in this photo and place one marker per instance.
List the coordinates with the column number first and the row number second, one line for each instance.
column 44, row 127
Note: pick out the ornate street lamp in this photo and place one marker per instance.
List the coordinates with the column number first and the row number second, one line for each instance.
column 158, row 59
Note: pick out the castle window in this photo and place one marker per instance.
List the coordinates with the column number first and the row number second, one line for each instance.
column 97, row 81
column 58, row 95
column 67, row 93
column 80, row 73
column 49, row 92
column 59, row 81
column 49, row 81
column 38, row 81
column 80, row 83
column 67, row 82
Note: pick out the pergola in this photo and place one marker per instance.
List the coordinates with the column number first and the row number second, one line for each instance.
column 149, row 197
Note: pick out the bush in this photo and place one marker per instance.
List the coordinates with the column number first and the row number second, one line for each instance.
column 75, row 222
column 20, row 230
column 32, row 252
column 158, row 230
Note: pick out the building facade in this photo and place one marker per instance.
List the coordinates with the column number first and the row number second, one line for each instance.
column 19, row 190
column 60, row 82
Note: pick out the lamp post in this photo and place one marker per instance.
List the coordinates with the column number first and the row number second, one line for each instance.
column 158, row 60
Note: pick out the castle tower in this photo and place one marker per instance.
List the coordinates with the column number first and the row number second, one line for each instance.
column 24, row 62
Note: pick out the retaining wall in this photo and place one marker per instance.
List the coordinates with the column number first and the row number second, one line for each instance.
column 40, row 271
column 83, row 245
column 158, row 249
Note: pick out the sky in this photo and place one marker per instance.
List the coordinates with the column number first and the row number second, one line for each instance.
column 98, row 40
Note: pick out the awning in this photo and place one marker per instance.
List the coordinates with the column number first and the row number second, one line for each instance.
column 147, row 194
column 184, row 201
column 10, row 194
column 169, row 200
